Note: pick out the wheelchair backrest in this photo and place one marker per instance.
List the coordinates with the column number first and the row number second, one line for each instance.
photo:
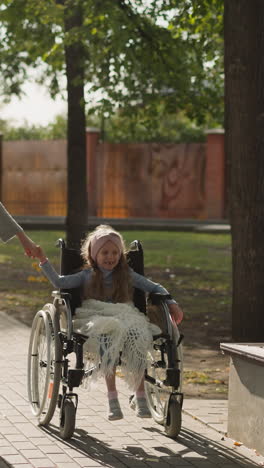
column 72, row 262
column 135, row 259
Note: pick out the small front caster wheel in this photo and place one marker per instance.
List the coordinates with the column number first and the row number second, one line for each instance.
column 68, row 417
column 174, row 418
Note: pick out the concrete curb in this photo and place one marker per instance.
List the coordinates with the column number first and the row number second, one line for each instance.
column 184, row 225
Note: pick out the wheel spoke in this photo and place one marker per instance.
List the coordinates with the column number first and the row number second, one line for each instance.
column 158, row 394
column 44, row 364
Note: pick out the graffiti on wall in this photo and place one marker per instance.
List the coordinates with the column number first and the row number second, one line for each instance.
column 128, row 180
column 152, row 180
column 178, row 175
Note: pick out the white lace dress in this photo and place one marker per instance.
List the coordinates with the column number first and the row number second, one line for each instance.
column 113, row 329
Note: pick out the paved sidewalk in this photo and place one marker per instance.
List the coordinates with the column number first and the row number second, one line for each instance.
column 97, row 442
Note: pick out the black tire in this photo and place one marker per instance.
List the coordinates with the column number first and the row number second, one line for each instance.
column 174, row 418
column 68, row 417
column 56, row 359
column 38, row 362
column 44, row 364
column 158, row 397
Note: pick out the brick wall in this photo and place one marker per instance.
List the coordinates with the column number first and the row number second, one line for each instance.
column 215, row 174
column 34, row 177
column 123, row 180
column 151, row 180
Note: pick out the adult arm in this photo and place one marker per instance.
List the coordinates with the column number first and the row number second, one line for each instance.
column 8, row 226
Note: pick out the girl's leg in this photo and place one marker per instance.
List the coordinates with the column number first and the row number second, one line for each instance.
column 139, row 402
column 114, row 411
column 141, row 389
column 111, row 381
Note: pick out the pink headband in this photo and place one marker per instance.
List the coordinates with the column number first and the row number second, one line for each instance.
column 100, row 239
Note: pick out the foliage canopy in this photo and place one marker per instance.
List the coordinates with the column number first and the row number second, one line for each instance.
column 157, row 56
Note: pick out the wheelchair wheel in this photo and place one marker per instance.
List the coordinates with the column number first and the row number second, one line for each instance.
column 68, row 416
column 174, row 418
column 44, row 364
column 159, row 395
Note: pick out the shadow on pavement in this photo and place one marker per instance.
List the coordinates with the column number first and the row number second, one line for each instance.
column 4, row 464
column 213, row 450
column 189, row 444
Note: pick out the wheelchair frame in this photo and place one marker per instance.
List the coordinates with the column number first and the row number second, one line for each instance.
column 51, row 379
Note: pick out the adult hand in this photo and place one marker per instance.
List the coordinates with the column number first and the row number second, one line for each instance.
column 31, row 249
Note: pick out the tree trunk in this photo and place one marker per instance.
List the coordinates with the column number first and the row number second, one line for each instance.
column 244, row 107
column 77, row 208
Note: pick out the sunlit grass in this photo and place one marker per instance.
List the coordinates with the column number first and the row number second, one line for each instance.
column 202, row 378
column 194, row 267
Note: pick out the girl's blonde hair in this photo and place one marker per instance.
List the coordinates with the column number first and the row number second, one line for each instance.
column 121, row 290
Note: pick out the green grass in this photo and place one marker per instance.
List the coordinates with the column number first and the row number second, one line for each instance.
column 195, row 268
column 190, row 251
column 12, row 251
column 187, row 250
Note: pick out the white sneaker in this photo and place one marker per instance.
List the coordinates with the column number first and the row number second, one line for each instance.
column 141, row 407
column 114, row 410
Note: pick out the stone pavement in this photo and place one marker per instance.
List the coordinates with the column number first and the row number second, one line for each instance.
column 97, row 442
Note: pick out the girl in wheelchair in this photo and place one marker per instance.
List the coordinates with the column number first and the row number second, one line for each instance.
column 107, row 283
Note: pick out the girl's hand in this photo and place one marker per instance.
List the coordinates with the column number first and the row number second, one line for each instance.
column 176, row 313
column 41, row 255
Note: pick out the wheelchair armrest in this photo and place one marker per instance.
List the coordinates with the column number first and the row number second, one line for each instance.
column 161, row 335
column 158, row 298
column 60, row 243
column 63, row 295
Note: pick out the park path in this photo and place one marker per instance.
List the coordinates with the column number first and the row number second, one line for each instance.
column 98, row 442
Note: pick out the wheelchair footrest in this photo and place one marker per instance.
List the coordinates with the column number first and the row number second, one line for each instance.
column 172, row 377
column 75, row 377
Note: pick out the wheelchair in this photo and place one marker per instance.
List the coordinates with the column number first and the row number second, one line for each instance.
column 52, row 378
